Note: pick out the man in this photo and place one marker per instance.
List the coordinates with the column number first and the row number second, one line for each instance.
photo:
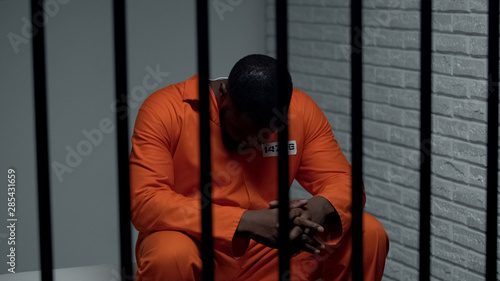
column 245, row 118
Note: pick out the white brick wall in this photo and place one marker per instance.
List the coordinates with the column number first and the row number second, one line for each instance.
column 319, row 63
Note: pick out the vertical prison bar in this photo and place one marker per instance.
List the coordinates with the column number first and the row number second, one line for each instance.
column 357, row 138
column 122, row 138
column 283, row 171
column 425, row 137
column 207, row 254
column 42, row 144
column 492, row 142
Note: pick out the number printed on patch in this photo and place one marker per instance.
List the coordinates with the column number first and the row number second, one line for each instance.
column 271, row 149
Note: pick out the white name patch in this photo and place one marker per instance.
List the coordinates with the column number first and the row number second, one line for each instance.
column 271, row 149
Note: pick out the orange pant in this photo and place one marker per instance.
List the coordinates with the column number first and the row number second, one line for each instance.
column 173, row 255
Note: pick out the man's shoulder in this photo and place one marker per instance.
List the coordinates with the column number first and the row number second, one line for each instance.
column 301, row 101
column 306, row 108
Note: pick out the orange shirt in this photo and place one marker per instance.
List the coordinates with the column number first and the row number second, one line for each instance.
column 165, row 165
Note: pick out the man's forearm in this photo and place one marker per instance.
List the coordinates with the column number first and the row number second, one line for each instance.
column 320, row 209
column 244, row 230
column 323, row 212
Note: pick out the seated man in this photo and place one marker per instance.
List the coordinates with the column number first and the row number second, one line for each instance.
column 244, row 120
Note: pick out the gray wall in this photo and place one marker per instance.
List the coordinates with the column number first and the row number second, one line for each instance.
column 161, row 35
column 319, row 62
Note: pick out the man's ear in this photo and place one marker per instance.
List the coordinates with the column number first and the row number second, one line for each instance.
column 223, row 92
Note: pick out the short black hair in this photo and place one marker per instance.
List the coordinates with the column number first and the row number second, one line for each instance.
column 253, row 87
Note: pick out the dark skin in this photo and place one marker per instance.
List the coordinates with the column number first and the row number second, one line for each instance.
column 309, row 217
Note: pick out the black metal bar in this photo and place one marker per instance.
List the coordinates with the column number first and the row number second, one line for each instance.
column 207, row 253
column 283, row 172
column 492, row 158
column 122, row 138
column 425, row 137
column 357, row 138
column 42, row 143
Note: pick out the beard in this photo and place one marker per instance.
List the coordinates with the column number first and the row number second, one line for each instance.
column 230, row 144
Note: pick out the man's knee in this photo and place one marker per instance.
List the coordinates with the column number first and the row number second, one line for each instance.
column 374, row 233
column 169, row 252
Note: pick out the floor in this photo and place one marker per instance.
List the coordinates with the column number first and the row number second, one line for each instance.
column 84, row 273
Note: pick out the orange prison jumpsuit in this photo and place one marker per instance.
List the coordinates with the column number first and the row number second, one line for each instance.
column 165, row 205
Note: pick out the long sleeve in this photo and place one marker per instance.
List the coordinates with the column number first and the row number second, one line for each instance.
column 155, row 205
column 324, row 170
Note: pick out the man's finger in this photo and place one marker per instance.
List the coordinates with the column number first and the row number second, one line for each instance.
column 294, row 203
column 298, row 203
column 295, row 232
column 321, row 243
column 298, row 212
column 305, row 223
column 306, row 243
column 295, row 212
column 311, row 240
column 309, row 249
